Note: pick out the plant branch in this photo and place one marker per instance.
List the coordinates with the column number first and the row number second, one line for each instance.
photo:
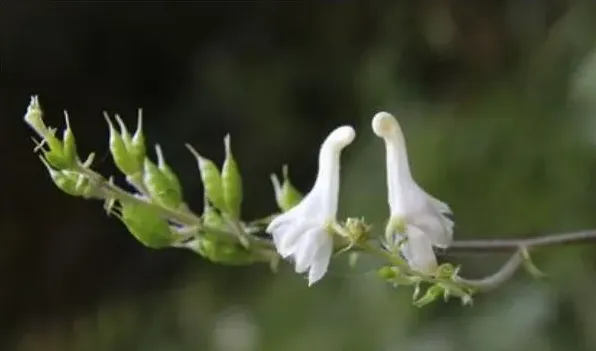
column 509, row 245
column 497, row 279
column 113, row 191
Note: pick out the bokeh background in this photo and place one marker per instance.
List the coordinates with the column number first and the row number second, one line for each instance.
column 497, row 100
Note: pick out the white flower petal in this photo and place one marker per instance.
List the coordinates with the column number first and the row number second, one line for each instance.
column 313, row 241
column 320, row 261
column 434, row 227
column 419, row 251
column 287, row 240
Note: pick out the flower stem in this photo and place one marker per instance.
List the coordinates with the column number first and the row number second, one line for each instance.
column 113, row 191
column 508, row 245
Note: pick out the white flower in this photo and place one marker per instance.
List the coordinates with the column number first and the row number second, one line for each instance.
column 422, row 216
column 300, row 233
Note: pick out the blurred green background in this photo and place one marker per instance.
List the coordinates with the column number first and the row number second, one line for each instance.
column 497, row 100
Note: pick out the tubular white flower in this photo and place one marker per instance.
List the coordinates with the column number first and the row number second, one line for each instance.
column 300, row 233
column 423, row 216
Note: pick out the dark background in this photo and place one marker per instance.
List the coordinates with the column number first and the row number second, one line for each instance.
column 497, row 100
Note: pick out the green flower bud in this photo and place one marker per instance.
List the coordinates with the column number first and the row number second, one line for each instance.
column 222, row 252
column 211, row 178
column 126, row 138
column 432, row 294
column 231, row 181
column 71, row 183
column 211, row 218
column 167, row 171
column 446, row 270
column 123, row 159
column 55, row 154
column 137, row 145
column 395, row 276
column 160, row 187
column 34, row 117
column 70, row 145
column 386, row 272
column 146, row 224
column 286, row 194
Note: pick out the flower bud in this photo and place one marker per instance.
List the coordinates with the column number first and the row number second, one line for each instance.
column 167, row 171
column 231, row 181
column 137, row 145
column 71, row 183
column 160, row 187
column 222, row 252
column 56, row 154
column 286, row 194
column 395, row 276
column 211, row 178
column 446, row 270
column 211, row 218
column 126, row 138
column 69, row 142
column 146, row 224
column 123, row 159
column 432, row 294
column 34, row 117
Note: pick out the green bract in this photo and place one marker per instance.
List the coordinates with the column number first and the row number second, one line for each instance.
column 146, row 224
column 160, row 187
column 128, row 152
column 231, row 181
column 165, row 169
column 223, row 252
column 286, row 194
column 211, row 177
column 70, row 145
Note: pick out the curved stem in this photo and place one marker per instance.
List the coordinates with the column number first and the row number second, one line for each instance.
column 497, row 279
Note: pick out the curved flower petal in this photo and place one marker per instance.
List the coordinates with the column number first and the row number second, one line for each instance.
column 320, row 261
column 418, row 251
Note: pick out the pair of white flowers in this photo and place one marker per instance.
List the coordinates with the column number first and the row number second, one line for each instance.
column 301, row 234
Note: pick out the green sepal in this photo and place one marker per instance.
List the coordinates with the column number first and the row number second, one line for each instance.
column 211, row 177
column 286, row 195
column 231, row 181
column 160, row 187
column 146, row 224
